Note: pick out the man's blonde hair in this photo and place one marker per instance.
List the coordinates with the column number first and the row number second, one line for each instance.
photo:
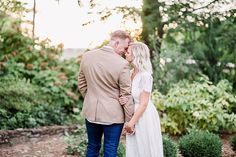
column 120, row 34
column 141, row 54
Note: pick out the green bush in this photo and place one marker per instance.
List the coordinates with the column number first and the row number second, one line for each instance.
column 233, row 143
column 38, row 72
column 200, row 144
column 24, row 105
column 199, row 105
column 169, row 147
column 61, row 84
column 18, row 94
column 18, row 98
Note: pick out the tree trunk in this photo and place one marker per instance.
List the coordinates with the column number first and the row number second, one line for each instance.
column 152, row 24
column 34, row 13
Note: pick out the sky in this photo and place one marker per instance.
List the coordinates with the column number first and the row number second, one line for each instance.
column 62, row 22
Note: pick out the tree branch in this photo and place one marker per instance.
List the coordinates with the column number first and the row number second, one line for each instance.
column 206, row 5
column 186, row 12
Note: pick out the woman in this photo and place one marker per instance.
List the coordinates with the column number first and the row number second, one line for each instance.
column 144, row 137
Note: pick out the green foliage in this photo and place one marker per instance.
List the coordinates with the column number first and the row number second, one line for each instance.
column 200, row 144
column 60, row 84
column 34, row 69
column 172, row 67
column 12, row 6
column 77, row 142
column 205, row 38
column 197, row 105
column 24, row 105
column 17, row 95
column 233, row 143
column 169, row 147
column 121, row 150
column 151, row 20
column 209, row 40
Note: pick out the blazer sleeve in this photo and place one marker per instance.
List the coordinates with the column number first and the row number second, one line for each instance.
column 125, row 90
column 82, row 83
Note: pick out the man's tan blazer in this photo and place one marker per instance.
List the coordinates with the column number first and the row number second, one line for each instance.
column 105, row 76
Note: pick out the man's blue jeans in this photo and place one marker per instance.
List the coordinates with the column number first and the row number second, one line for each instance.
column 111, row 139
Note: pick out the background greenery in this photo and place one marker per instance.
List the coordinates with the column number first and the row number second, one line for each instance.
column 197, row 105
column 36, row 87
column 192, row 51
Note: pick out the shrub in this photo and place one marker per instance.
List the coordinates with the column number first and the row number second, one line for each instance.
column 18, row 94
column 169, row 147
column 199, row 105
column 24, row 105
column 61, row 84
column 233, row 143
column 18, row 98
column 200, row 144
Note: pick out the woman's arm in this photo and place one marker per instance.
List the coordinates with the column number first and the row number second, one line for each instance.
column 144, row 98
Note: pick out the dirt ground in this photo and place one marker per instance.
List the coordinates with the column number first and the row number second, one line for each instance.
column 55, row 146
column 226, row 150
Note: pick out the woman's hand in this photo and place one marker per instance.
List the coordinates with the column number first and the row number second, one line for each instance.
column 123, row 100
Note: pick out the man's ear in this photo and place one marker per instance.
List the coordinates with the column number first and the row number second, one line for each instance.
column 116, row 43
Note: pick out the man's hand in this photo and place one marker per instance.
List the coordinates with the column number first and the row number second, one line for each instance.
column 123, row 133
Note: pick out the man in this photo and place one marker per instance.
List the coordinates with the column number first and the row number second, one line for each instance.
column 104, row 77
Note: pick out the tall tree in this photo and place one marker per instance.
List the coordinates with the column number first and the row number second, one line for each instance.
column 152, row 23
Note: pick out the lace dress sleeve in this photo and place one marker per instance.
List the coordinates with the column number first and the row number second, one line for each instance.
column 146, row 82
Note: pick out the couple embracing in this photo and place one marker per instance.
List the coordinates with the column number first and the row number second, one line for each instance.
column 116, row 83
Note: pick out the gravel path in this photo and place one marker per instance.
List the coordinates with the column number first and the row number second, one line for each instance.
column 55, row 146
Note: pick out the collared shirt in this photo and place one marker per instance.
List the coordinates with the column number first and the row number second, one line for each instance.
column 109, row 47
column 102, row 123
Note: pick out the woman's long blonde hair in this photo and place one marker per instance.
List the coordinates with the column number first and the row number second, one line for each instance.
column 141, row 54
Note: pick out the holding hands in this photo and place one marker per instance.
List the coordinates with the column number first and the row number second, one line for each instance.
column 128, row 127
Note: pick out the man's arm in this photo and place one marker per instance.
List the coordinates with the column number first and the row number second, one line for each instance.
column 82, row 84
column 125, row 90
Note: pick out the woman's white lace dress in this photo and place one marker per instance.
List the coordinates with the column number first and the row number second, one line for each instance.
column 147, row 140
